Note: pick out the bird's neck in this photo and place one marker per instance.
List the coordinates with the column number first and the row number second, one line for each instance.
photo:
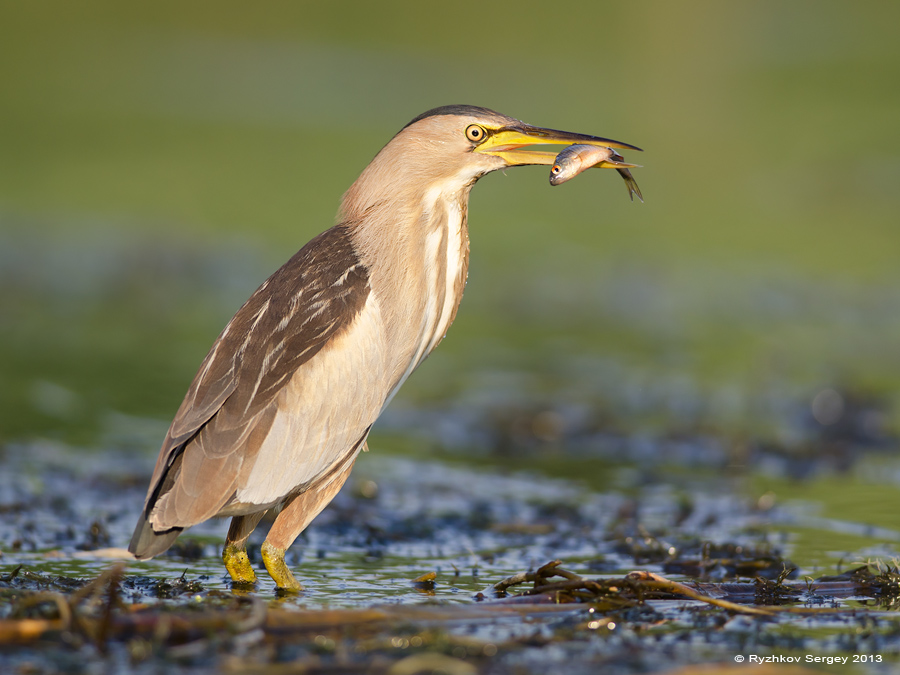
column 417, row 253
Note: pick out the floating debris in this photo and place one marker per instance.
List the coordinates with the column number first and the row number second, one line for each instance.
column 636, row 587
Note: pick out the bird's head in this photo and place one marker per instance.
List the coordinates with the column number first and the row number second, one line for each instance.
column 447, row 149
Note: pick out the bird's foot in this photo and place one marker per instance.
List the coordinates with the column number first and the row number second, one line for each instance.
column 273, row 559
column 238, row 564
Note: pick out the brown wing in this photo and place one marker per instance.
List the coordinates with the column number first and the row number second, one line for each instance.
column 285, row 323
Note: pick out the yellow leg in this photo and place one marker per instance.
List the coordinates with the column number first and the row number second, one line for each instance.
column 293, row 519
column 273, row 559
column 238, row 564
column 235, row 552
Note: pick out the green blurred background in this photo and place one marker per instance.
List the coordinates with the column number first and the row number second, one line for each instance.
column 159, row 160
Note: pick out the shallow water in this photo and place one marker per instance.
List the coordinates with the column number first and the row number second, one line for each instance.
column 466, row 520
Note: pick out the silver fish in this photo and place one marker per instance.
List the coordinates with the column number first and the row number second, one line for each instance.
column 579, row 157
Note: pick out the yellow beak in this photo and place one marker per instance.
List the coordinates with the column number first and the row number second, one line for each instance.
column 514, row 145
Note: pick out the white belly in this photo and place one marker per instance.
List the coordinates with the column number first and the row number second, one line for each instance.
column 323, row 411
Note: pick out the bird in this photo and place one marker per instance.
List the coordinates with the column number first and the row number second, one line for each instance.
column 283, row 403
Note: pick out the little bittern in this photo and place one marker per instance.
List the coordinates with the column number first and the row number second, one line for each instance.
column 284, row 401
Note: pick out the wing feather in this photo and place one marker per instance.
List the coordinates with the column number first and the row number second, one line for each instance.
column 229, row 407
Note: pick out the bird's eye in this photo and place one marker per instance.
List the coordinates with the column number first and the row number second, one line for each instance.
column 475, row 133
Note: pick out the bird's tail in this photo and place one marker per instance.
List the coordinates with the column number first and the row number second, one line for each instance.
column 146, row 542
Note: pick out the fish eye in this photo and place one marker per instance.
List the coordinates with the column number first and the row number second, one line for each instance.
column 556, row 169
column 475, row 133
